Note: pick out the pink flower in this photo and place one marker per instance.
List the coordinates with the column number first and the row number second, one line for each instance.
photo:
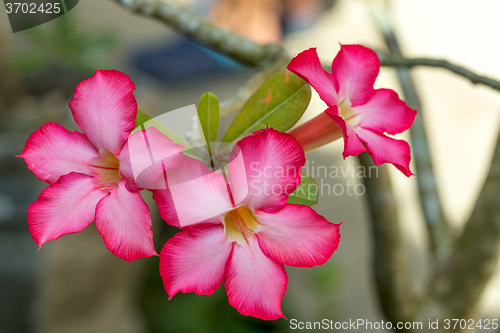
column 89, row 173
column 242, row 232
column 363, row 114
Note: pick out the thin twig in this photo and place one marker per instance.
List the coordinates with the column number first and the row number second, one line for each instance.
column 399, row 61
column 198, row 28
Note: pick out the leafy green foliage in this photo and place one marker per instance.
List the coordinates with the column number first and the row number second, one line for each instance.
column 195, row 313
column 65, row 46
column 306, row 193
column 278, row 103
column 141, row 118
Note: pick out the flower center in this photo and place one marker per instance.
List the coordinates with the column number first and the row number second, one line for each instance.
column 240, row 224
column 347, row 112
column 106, row 170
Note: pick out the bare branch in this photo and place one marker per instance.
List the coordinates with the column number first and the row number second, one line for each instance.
column 247, row 52
column 394, row 285
column 428, row 192
column 197, row 27
column 476, row 252
column 399, row 61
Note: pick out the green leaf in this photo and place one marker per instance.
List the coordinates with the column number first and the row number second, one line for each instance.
column 278, row 103
column 141, row 118
column 144, row 121
column 208, row 114
column 306, row 193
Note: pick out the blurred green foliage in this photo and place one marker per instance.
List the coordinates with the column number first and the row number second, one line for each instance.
column 195, row 313
column 63, row 45
column 326, row 279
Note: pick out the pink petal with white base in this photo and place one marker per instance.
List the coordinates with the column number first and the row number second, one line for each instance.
column 149, row 149
column 271, row 166
column 124, row 222
column 52, row 151
column 387, row 150
column 197, row 193
column 255, row 284
column 297, row 236
column 355, row 67
column 352, row 145
column 307, row 66
column 385, row 112
column 104, row 108
column 64, row 207
column 194, row 260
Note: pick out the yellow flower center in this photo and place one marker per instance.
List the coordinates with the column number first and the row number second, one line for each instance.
column 347, row 112
column 106, row 170
column 240, row 224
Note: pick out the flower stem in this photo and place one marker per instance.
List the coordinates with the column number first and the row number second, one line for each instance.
column 317, row 132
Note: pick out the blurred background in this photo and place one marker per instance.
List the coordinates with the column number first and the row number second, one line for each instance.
column 75, row 285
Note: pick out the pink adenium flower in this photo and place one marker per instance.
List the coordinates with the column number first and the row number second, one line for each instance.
column 242, row 232
column 363, row 114
column 90, row 173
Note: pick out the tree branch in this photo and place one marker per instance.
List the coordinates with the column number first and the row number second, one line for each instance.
column 198, row 28
column 247, row 52
column 394, row 286
column 428, row 192
column 399, row 61
column 476, row 252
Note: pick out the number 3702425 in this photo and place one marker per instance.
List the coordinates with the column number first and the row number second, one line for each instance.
column 33, row 8
column 470, row 324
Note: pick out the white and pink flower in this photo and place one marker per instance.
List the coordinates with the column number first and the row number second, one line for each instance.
column 242, row 232
column 90, row 173
column 360, row 113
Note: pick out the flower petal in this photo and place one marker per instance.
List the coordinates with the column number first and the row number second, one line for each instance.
column 104, row 108
column 385, row 112
column 387, row 150
column 268, row 170
column 149, row 149
column 195, row 194
column 355, row 67
column 352, row 145
column 124, row 222
column 297, row 236
column 64, row 207
column 255, row 284
column 166, row 207
column 194, row 260
column 307, row 65
column 53, row 151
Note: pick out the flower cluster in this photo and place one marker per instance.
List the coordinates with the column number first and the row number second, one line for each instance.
column 233, row 229
column 89, row 173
